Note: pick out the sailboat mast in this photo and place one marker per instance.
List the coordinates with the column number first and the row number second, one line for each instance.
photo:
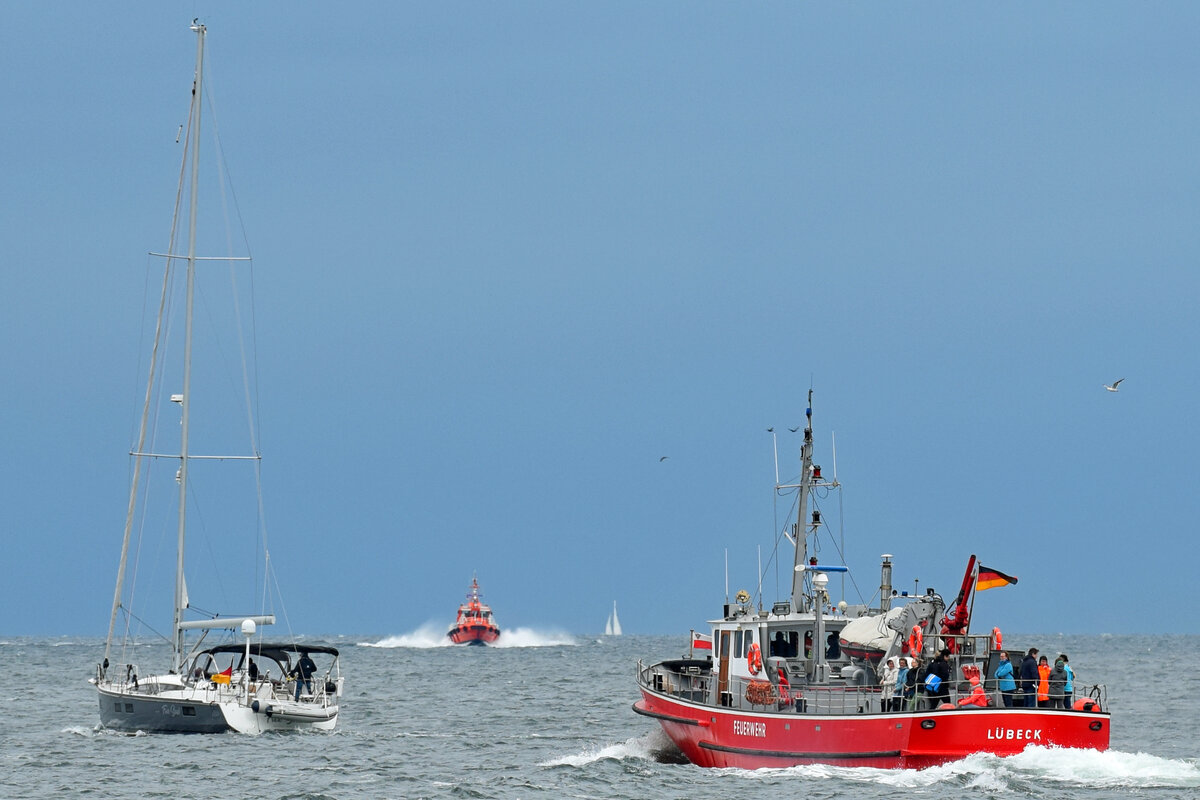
column 806, row 476
column 194, row 138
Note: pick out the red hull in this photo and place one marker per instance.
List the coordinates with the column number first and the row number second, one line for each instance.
column 711, row 736
column 474, row 634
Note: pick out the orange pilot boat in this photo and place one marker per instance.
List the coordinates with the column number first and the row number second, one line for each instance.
column 475, row 624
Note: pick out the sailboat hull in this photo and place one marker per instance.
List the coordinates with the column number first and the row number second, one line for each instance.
column 171, row 712
column 185, row 709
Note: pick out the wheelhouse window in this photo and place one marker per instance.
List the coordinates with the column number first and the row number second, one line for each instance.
column 785, row 644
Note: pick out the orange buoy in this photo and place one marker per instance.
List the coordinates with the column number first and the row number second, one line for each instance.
column 997, row 639
column 754, row 659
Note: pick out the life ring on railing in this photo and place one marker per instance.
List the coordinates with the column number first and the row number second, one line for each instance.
column 754, row 659
column 997, row 639
column 916, row 640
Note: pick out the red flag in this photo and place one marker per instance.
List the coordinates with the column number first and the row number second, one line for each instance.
column 701, row 641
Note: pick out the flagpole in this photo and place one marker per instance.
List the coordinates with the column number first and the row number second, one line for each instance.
column 971, row 607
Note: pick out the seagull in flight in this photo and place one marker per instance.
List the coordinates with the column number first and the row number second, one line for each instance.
column 664, row 458
column 1114, row 386
column 770, row 430
column 793, row 430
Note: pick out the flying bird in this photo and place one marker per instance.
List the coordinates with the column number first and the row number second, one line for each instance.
column 770, row 430
column 1114, row 386
column 664, row 458
column 793, row 430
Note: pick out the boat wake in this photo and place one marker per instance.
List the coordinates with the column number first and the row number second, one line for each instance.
column 526, row 637
column 653, row 746
column 431, row 634
column 1032, row 769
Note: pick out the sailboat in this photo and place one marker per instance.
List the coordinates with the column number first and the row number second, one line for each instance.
column 245, row 685
column 613, row 626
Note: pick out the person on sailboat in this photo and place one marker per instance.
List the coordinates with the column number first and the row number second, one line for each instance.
column 304, row 672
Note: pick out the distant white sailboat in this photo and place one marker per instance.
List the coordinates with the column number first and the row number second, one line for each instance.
column 613, row 626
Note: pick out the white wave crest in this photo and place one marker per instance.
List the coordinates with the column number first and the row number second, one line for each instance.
column 641, row 747
column 431, row 634
column 428, row 635
column 1040, row 765
column 1108, row 769
column 527, row 637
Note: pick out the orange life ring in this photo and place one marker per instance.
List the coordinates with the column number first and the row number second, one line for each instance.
column 754, row 659
column 915, row 640
column 997, row 639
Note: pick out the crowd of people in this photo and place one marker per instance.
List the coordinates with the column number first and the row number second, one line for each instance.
column 908, row 685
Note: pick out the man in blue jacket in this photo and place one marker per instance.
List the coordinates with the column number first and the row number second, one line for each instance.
column 1029, row 677
column 1004, row 679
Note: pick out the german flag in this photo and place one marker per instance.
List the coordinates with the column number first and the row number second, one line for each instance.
column 989, row 578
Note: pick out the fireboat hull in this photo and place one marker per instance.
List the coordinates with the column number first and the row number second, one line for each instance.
column 712, row 736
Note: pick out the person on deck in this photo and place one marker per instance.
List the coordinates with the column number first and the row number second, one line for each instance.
column 941, row 692
column 1069, row 686
column 1004, row 679
column 911, row 681
column 887, row 684
column 977, row 697
column 1057, row 682
column 902, row 683
column 1043, row 687
column 1029, row 677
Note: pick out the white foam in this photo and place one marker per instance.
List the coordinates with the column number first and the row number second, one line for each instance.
column 1111, row 768
column 640, row 747
column 527, row 637
column 428, row 635
column 1042, row 765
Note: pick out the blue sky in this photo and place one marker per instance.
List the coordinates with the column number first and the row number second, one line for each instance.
column 509, row 255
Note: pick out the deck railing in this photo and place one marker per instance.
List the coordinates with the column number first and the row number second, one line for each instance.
column 695, row 684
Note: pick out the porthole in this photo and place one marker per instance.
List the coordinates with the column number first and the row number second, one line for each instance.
column 928, row 724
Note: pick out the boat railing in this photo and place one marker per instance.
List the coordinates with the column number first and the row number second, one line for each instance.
column 694, row 683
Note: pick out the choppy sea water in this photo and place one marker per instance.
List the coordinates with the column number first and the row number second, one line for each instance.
column 548, row 715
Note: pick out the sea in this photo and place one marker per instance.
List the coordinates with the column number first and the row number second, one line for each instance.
column 548, row 715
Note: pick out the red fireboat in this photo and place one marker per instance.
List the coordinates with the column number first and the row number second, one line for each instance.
column 475, row 624
column 800, row 682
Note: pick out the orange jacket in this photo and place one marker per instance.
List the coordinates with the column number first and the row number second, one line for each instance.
column 1043, row 682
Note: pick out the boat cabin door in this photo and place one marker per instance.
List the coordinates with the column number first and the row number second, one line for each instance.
column 723, row 696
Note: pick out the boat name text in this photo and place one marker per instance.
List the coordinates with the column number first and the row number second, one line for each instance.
column 1016, row 733
column 743, row 728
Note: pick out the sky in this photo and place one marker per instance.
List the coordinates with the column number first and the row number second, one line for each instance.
column 508, row 256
